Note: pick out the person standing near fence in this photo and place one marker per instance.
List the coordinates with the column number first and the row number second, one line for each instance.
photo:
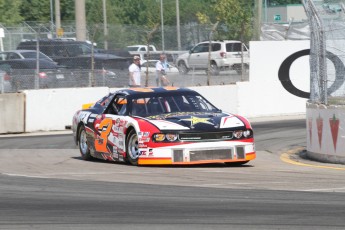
column 135, row 73
column 161, row 71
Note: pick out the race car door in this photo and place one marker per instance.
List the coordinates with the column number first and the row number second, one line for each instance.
column 111, row 127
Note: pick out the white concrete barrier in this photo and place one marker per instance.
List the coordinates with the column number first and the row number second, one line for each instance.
column 12, row 113
column 53, row 109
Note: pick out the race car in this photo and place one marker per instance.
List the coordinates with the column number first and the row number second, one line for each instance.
column 161, row 126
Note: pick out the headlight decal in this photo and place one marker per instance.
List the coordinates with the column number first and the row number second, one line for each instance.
column 238, row 134
column 165, row 137
column 171, row 136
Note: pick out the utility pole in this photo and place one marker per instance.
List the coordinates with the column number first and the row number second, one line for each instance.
column 80, row 20
column 57, row 18
column 105, row 24
column 178, row 25
column 258, row 19
column 162, row 25
column 51, row 18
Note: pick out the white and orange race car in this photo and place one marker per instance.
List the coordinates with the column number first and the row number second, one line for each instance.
column 161, row 126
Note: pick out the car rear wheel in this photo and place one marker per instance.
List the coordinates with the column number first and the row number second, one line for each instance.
column 132, row 153
column 182, row 68
column 83, row 145
column 214, row 70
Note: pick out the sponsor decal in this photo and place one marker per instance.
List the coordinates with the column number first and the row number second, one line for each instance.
column 115, row 153
column 285, row 80
column 226, row 118
column 146, row 153
column 142, row 89
column 141, row 145
column 319, row 125
column 84, row 116
column 143, row 134
column 196, row 120
column 105, row 127
column 310, row 127
column 145, row 139
column 334, row 124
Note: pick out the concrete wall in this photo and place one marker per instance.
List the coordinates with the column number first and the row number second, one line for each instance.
column 53, row 109
column 12, row 113
column 264, row 95
column 293, row 12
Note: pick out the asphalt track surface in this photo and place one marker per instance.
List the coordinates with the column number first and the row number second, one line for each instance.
column 44, row 184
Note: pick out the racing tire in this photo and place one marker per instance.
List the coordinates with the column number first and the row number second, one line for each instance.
column 83, row 145
column 182, row 68
column 132, row 150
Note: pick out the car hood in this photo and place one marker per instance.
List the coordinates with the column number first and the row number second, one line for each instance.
column 183, row 56
column 197, row 121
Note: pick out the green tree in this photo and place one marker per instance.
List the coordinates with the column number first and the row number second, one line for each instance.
column 237, row 16
column 40, row 11
column 9, row 12
column 67, row 8
column 35, row 10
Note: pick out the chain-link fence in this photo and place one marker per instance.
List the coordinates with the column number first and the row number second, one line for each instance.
column 327, row 51
column 88, row 63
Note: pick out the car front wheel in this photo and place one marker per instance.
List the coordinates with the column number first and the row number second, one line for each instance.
column 83, row 145
column 132, row 153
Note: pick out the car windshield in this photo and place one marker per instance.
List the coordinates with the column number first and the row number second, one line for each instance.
column 234, row 47
column 132, row 48
column 149, row 106
column 79, row 49
column 34, row 55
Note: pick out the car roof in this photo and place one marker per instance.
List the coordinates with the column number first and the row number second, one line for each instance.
column 143, row 61
column 53, row 41
column 18, row 51
column 226, row 41
column 23, row 51
column 154, row 90
column 139, row 45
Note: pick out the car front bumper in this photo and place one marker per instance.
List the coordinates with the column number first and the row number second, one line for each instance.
column 198, row 153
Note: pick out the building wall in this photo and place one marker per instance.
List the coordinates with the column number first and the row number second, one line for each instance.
column 286, row 13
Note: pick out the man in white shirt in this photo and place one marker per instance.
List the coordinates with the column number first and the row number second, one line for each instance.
column 161, row 68
column 135, row 73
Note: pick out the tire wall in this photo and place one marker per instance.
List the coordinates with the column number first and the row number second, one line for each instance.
column 326, row 133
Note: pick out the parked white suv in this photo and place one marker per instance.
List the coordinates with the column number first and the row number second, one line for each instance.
column 225, row 54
